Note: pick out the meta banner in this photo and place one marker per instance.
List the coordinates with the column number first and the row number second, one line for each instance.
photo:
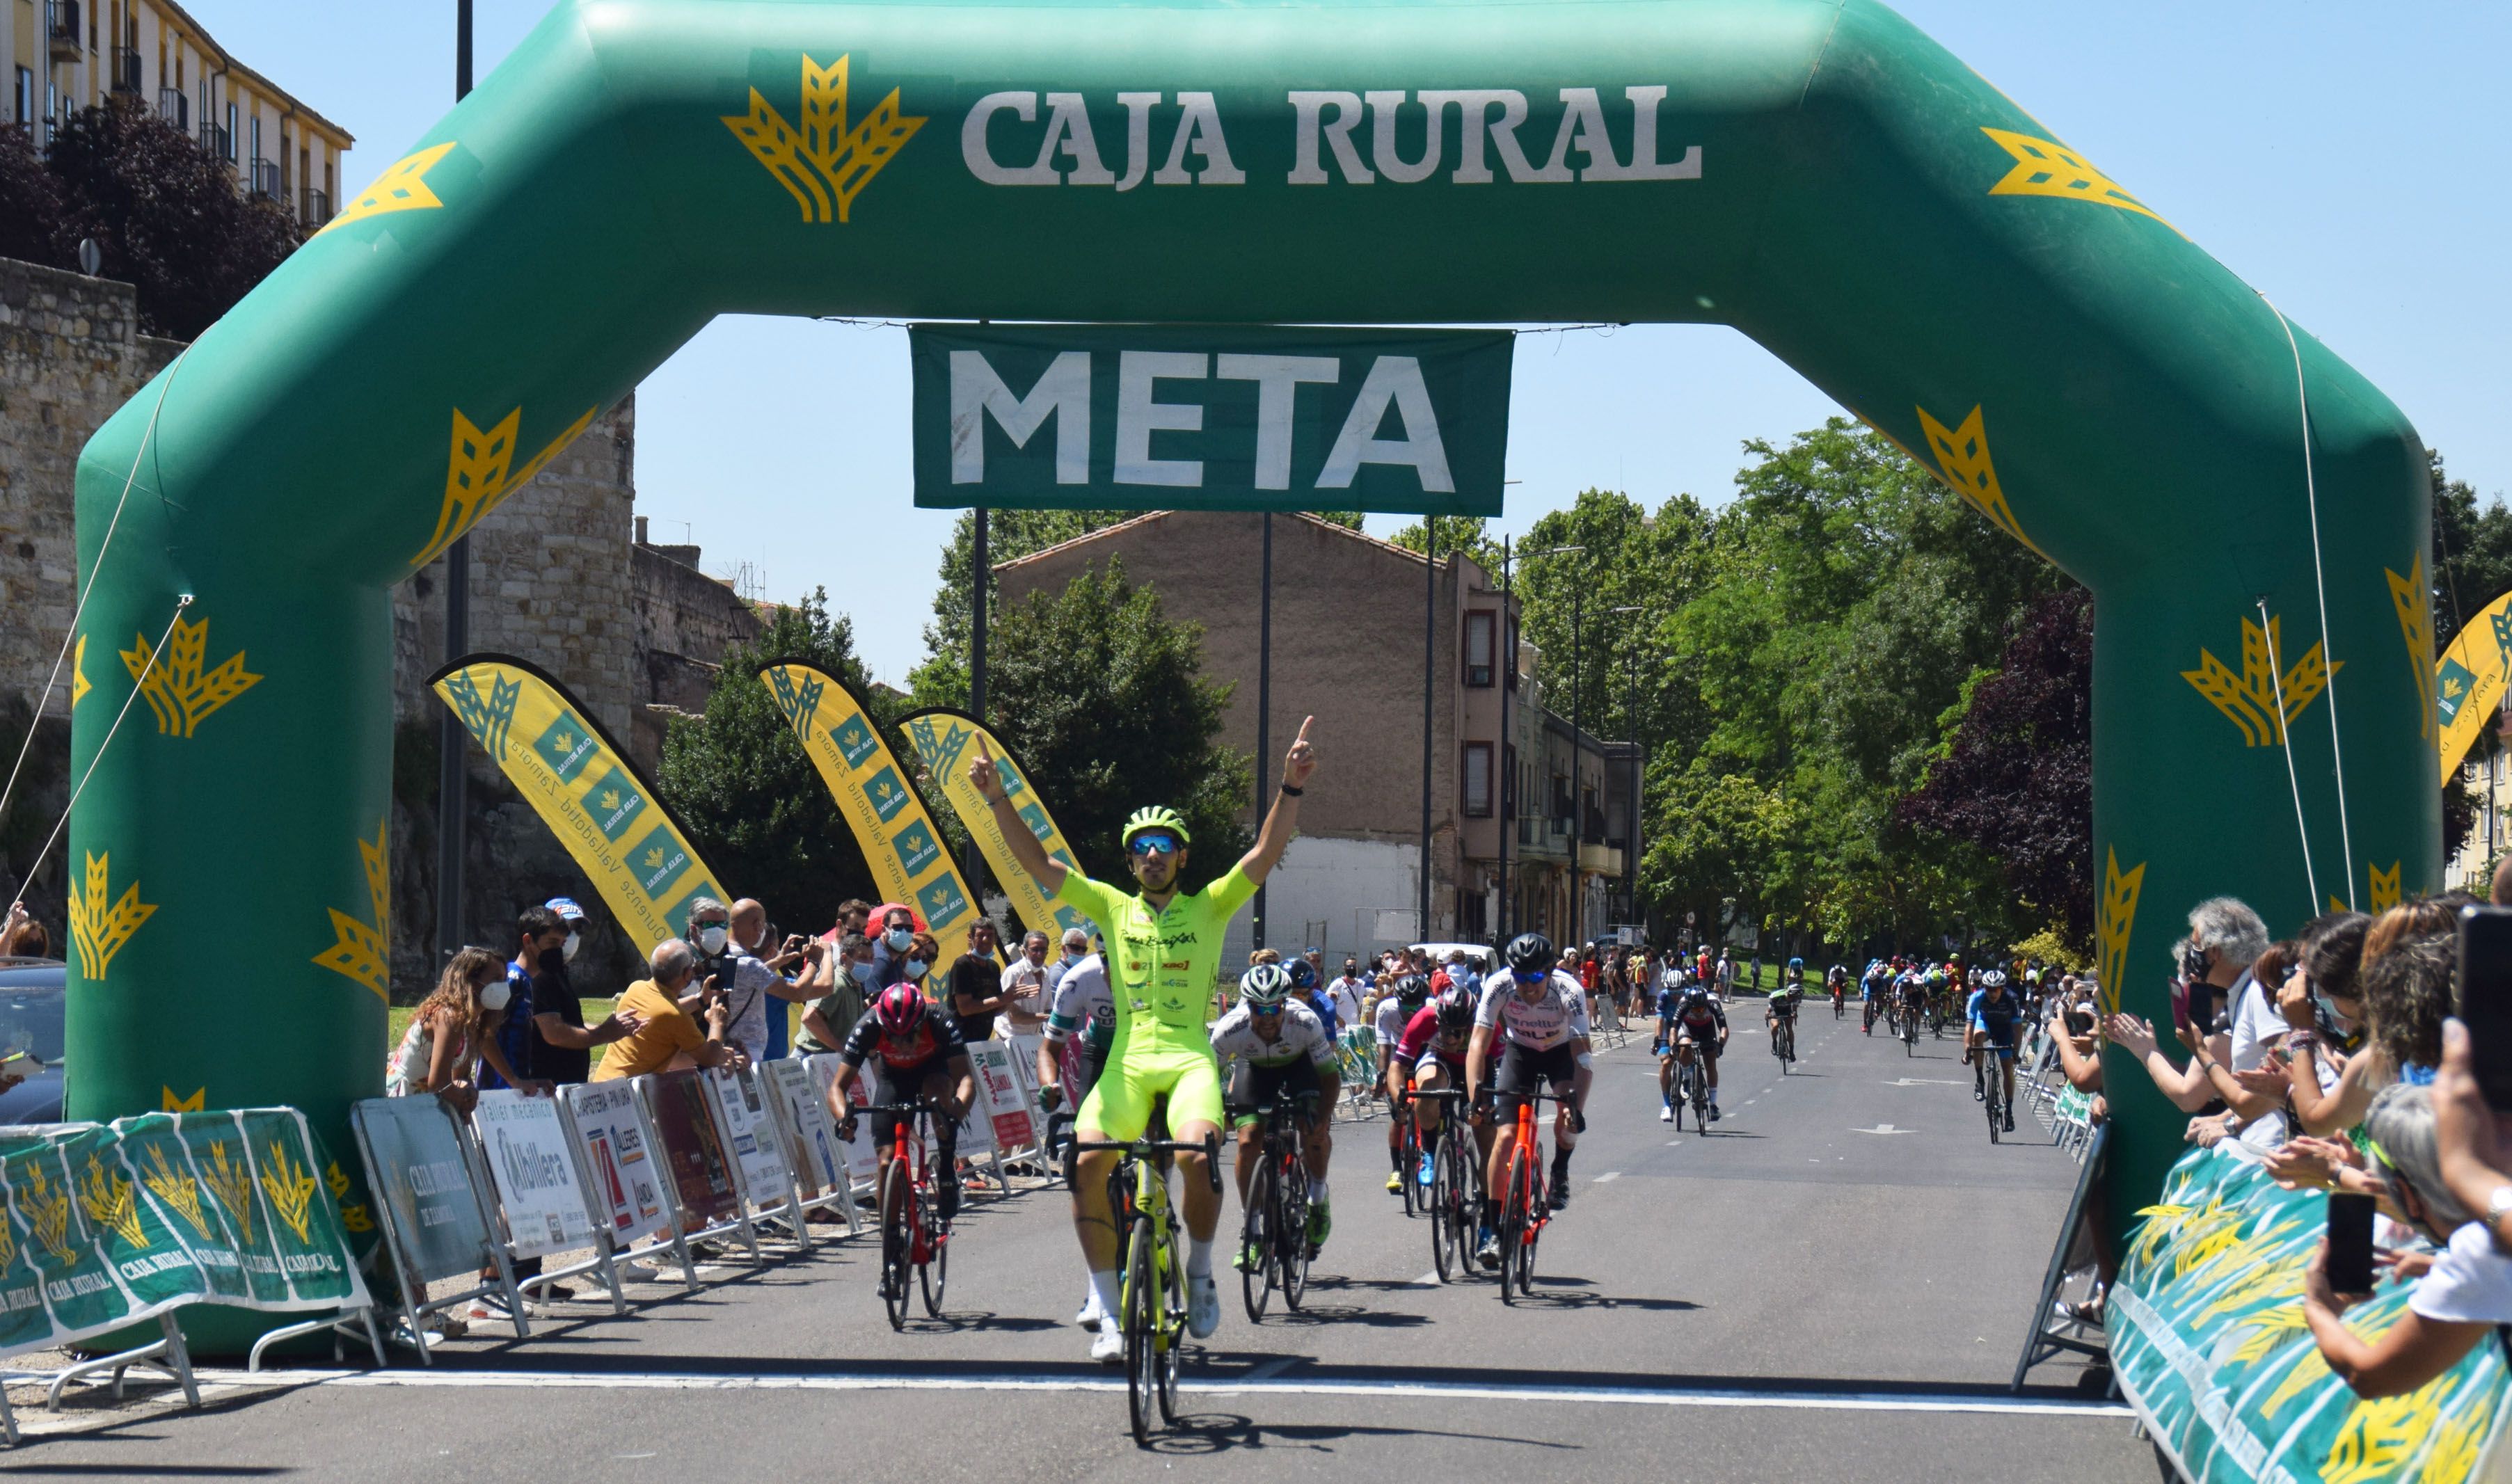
column 1145, row 417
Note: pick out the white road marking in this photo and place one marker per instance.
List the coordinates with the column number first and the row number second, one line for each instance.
column 1609, row 1175
column 1883, row 1128
column 1636, row 1395
column 1429, row 1279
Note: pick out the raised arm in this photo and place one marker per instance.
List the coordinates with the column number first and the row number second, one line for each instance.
column 1282, row 820
column 1044, row 869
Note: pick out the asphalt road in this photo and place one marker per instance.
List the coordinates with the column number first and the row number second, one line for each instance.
column 1798, row 1291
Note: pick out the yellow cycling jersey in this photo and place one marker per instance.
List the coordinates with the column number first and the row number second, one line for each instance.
column 1162, row 965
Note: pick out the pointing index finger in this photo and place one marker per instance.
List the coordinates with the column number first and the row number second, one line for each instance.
column 1304, row 728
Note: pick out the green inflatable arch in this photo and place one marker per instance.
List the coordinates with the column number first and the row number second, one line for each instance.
column 1819, row 176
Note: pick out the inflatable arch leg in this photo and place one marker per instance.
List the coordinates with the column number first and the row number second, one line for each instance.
column 1821, row 175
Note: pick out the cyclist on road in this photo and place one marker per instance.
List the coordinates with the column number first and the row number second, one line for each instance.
column 1786, row 998
column 1694, row 1026
column 1872, row 989
column 1541, row 1015
column 1430, row 1057
column 920, row 1056
column 1988, row 1024
column 1670, row 998
column 1395, row 1011
column 1164, row 956
column 1836, row 980
column 1283, row 1051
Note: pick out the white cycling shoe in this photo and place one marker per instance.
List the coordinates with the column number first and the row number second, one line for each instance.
column 1091, row 1313
column 1109, row 1345
column 1202, row 1306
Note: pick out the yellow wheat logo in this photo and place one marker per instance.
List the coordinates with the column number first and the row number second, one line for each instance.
column 180, row 694
column 2113, row 919
column 231, row 1181
column 290, row 1189
column 609, row 800
column 359, row 949
column 79, row 686
column 2414, row 604
column 2043, row 168
column 181, row 1193
column 827, row 163
column 2250, row 699
column 402, row 187
column 47, row 1209
column 98, row 930
column 2382, row 885
column 1962, row 454
column 478, row 473
column 106, row 1196
column 654, row 857
column 353, row 1216
column 2379, row 1437
column 169, row 1102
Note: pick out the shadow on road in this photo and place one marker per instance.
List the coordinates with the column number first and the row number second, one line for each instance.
column 1203, row 1434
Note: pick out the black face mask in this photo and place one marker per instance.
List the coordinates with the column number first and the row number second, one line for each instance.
column 553, row 959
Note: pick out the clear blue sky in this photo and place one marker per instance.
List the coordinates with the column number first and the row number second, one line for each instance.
column 2344, row 158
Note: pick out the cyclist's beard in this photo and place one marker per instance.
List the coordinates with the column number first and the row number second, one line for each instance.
column 1157, row 874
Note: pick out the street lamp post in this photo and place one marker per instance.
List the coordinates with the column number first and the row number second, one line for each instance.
column 1632, row 725
column 1578, row 823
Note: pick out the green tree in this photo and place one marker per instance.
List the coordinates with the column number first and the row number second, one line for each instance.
column 1103, row 696
column 1010, row 534
column 748, row 792
column 2472, row 552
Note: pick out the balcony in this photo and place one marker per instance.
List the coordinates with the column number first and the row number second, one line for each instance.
column 316, row 207
column 266, row 182
column 126, row 72
column 62, row 29
column 216, row 144
column 174, row 108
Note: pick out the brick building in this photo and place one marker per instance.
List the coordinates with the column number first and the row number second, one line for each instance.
column 1348, row 639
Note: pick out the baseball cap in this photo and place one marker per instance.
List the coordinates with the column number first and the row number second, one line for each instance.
column 566, row 908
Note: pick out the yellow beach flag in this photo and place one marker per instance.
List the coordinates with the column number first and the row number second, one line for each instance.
column 582, row 785
column 940, row 736
column 2469, row 681
column 879, row 800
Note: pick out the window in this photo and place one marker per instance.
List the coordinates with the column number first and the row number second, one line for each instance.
column 1478, row 780
column 25, row 113
column 1478, row 648
column 231, row 131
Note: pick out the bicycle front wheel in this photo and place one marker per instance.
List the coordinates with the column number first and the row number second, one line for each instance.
column 1256, row 1247
column 1443, row 1213
column 1514, row 1217
column 1141, row 1330
column 1169, row 1340
column 934, row 1274
column 1409, row 1146
column 895, row 1244
column 1291, row 1229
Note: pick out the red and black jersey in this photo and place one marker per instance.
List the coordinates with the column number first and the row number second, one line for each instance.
column 936, row 1034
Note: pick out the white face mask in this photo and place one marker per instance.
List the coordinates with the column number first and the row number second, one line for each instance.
column 494, row 995
column 567, row 950
column 711, row 938
column 898, row 939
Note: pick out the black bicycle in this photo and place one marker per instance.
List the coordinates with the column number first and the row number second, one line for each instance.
column 1692, row 1085
column 1273, row 1235
column 1456, row 1187
column 1783, row 1032
column 1909, row 1031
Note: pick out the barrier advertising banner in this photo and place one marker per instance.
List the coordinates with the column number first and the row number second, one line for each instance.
column 700, row 1168
column 582, row 785
column 756, row 1148
column 626, row 1180
column 819, row 1160
column 941, row 738
column 415, row 1152
column 2469, row 680
column 1001, row 1098
column 863, row 1161
column 878, row 800
column 525, row 1143
column 1210, row 417
column 2207, row 1340
column 107, row 1225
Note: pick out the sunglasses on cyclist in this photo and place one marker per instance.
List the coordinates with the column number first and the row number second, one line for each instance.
column 1524, row 977
column 1264, row 1010
column 1152, row 843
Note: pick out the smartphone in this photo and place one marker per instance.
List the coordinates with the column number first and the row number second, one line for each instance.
column 2179, row 1005
column 2350, row 1242
column 2485, row 998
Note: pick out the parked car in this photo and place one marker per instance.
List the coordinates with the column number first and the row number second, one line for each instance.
column 1480, row 954
column 30, row 1022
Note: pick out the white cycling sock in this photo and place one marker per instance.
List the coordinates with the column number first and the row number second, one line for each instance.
column 1102, row 1284
column 1317, row 1191
column 1714, row 1097
column 1199, row 1257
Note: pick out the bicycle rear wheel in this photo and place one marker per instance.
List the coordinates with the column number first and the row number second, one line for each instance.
column 894, row 1243
column 1291, row 1228
column 1256, row 1247
column 1142, row 1362
column 1443, row 1212
column 1513, row 1216
column 933, row 1276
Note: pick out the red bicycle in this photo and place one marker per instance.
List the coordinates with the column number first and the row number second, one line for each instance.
column 1525, row 1206
column 912, row 1232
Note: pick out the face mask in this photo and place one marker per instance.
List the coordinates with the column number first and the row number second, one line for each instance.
column 916, row 968
column 2330, row 1012
column 493, row 996
column 551, row 959
column 898, row 938
column 567, row 950
column 711, row 938
column 861, row 971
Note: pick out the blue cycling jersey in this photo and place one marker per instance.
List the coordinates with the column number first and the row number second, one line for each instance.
column 1994, row 1020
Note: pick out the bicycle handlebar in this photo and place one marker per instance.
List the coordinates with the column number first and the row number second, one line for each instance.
column 1210, row 1146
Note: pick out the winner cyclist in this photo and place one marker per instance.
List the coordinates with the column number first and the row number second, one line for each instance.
column 1164, row 954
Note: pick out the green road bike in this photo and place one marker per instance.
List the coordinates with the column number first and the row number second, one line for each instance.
column 1152, row 1296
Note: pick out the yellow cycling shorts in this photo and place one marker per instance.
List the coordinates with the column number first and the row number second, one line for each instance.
column 1119, row 1105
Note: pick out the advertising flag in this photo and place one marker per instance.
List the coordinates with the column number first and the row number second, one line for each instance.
column 878, row 800
column 2469, row 681
column 941, row 738
column 580, row 782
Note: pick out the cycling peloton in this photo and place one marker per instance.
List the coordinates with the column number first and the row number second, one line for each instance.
column 1395, row 1011
column 1164, row 954
column 1541, row 1015
column 1282, row 1050
column 1430, row 1057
